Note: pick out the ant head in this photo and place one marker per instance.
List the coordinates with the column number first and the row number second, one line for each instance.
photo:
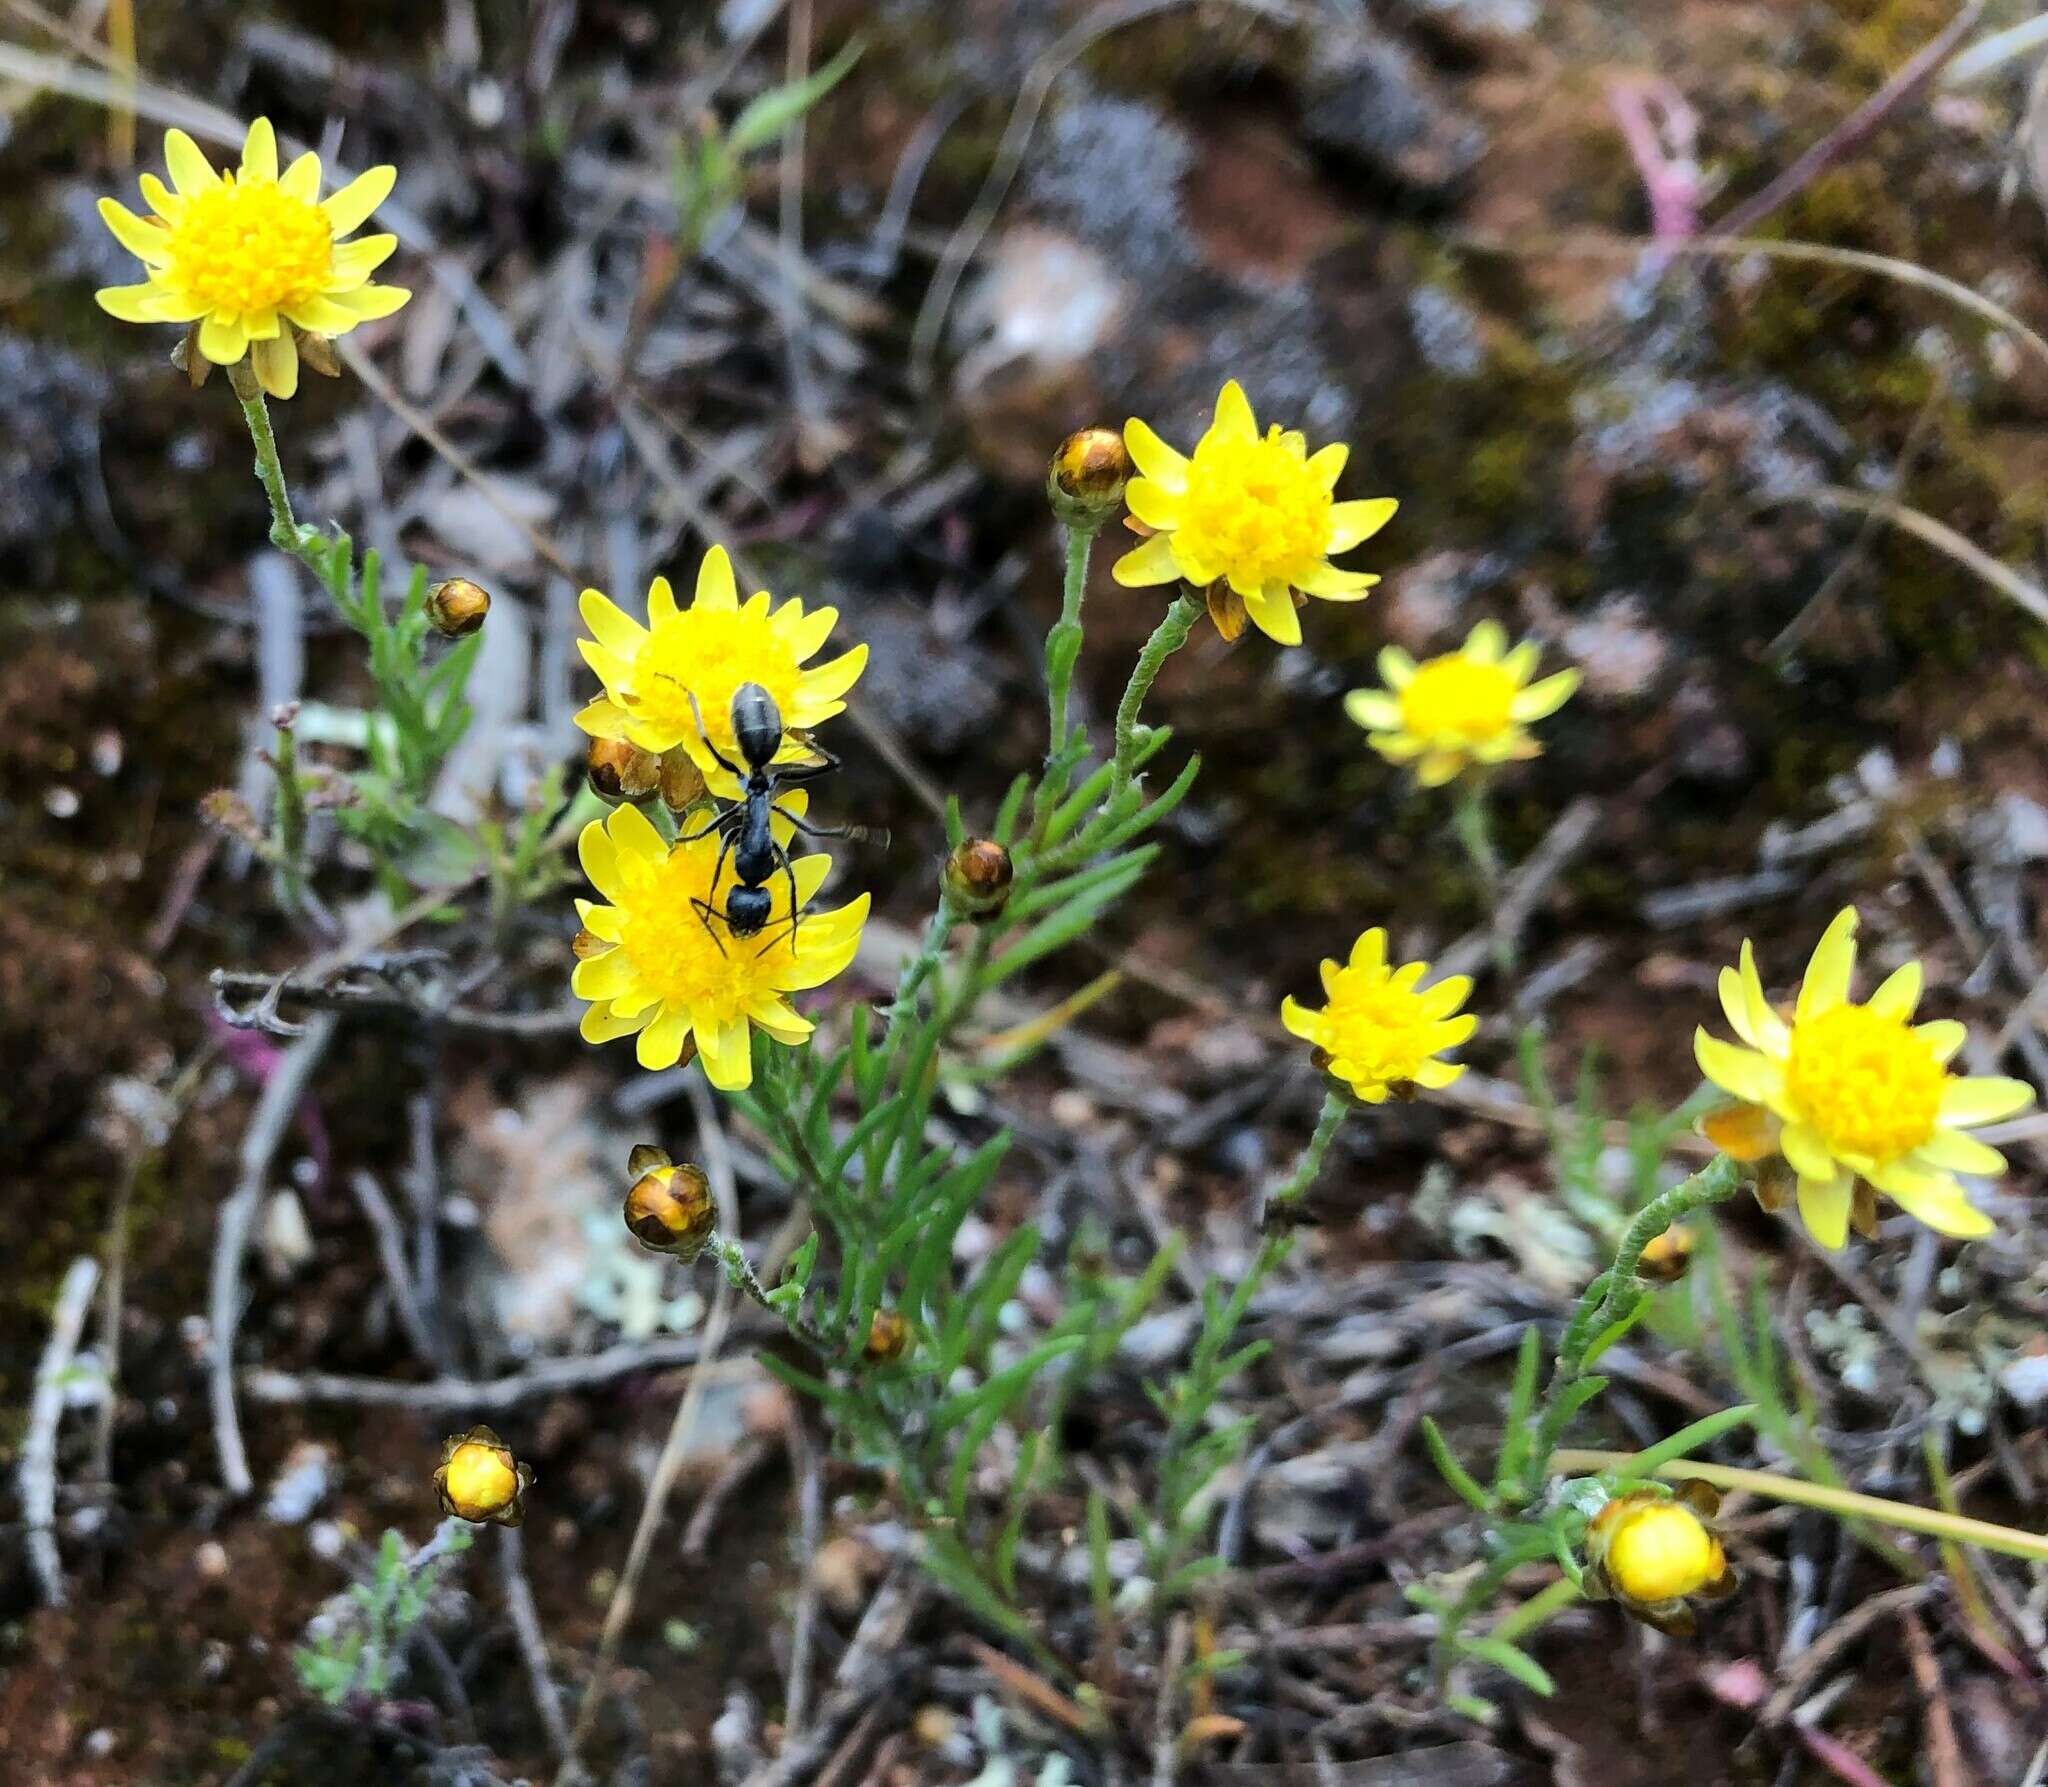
column 747, row 909
column 756, row 725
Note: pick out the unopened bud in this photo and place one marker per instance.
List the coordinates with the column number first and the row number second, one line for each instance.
column 681, row 781
column 888, row 1337
column 1086, row 482
column 620, row 771
column 480, row 1480
column 977, row 877
column 1666, row 1257
column 457, row 607
column 317, row 351
column 669, row 1210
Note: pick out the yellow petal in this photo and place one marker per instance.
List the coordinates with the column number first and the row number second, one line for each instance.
column 1953, row 1151
column 362, row 195
column 131, row 303
column 161, row 199
column 259, row 152
column 1965, row 1103
column 355, row 261
column 716, row 591
column 1808, row 1154
column 1899, row 994
column 1351, row 523
column 1435, row 1075
column 1334, row 584
column 302, row 178
column 1151, row 563
column 1274, row 616
column 838, row 936
column 1369, row 950
column 728, row 1056
column 276, row 360
column 1540, row 700
column 1299, row 1020
column 191, row 173
column 149, row 242
column 1152, row 456
column 612, row 627
column 1153, row 504
column 600, row 860
column 604, row 977
column 601, row 1024
column 1827, row 975
column 661, row 602
column 1487, row 643
column 661, row 1043
column 1446, row 995
column 1234, row 418
column 1766, row 1028
column 1438, row 767
column 1944, row 1036
column 222, row 340
column 1328, row 465
column 826, row 682
column 780, row 1019
column 1824, row 1208
column 1741, row 1073
column 319, row 315
column 369, row 303
column 1397, row 668
column 633, row 834
column 1452, row 1031
column 1373, row 709
column 1934, row 1199
column 602, row 719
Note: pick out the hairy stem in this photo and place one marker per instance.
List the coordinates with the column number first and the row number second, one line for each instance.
column 1308, row 1166
column 1167, row 638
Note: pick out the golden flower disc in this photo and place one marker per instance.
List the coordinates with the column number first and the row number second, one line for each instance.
column 1459, row 699
column 249, row 246
column 1864, row 1081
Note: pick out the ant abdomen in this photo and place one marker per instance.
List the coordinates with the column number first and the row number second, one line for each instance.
column 756, row 725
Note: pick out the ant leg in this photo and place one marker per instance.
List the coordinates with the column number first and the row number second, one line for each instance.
column 732, row 769
column 706, row 912
column 727, row 820
column 859, row 834
column 795, row 917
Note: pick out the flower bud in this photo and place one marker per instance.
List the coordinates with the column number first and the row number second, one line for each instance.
column 888, row 1337
column 1086, row 482
column 1665, row 1259
column 681, row 781
column 1656, row 1553
column 457, row 607
column 669, row 1210
column 620, row 771
column 977, row 877
column 480, row 1480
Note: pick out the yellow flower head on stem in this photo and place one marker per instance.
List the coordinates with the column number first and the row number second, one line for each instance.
column 1254, row 511
column 1655, row 1552
column 480, row 1480
column 1860, row 1092
column 706, row 651
column 671, row 973
column 252, row 254
column 1471, row 706
column 1382, row 1030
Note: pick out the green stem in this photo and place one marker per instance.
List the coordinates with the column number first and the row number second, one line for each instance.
column 1167, row 638
column 289, row 813
column 1534, row 1611
column 1474, row 827
column 1615, row 1295
column 1059, row 657
column 1850, row 1504
column 1308, row 1166
column 285, row 532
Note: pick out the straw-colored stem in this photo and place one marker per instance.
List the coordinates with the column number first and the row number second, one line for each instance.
column 1849, row 1503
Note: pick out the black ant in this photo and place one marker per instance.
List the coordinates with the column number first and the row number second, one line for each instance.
column 743, row 825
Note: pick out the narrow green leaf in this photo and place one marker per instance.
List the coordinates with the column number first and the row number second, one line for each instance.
column 1517, row 1663
column 1686, row 1440
column 767, row 117
column 1455, row 1474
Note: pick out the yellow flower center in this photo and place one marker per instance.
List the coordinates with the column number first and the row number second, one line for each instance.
column 480, row 1481
column 709, row 653
column 1661, row 1552
column 249, row 246
column 1864, row 1081
column 683, row 957
column 1254, row 508
column 1378, row 1029
column 1456, row 698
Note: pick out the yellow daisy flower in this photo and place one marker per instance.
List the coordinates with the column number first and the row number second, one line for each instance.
column 1254, row 512
column 707, row 650
column 1382, row 1030
column 252, row 254
column 1860, row 1091
column 654, row 966
column 1473, row 705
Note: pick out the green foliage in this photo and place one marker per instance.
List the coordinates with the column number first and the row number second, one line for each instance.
column 364, row 1649
column 852, row 1128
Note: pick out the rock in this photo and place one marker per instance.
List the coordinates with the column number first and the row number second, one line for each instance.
column 1367, row 98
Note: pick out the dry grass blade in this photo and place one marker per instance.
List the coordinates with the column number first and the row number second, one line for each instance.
column 1939, row 535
